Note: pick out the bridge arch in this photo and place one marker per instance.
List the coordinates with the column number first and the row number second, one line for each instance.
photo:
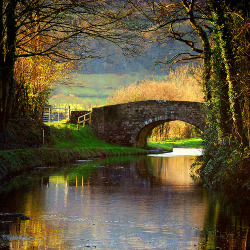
column 140, row 134
column 130, row 123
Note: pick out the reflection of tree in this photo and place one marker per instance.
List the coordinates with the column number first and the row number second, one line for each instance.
column 225, row 227
column 172, row 170
column 109, row 171
column 81, row 173
column 30, row 199
column 105, row 199
column 141, row 170
column 126, row 173
column 4, row 230
column 35, row 232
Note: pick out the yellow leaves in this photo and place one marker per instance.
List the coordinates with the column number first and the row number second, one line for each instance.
column 179, row 85
column 41, row 70
column 35, row 76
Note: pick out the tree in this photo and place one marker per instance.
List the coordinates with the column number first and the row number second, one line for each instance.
column 183, row 21
column 222, row 20
column 7, row 58
column 34, row 77
column 60, row 30
column 218, row 33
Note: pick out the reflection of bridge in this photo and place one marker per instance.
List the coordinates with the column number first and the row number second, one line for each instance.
column 130, row 123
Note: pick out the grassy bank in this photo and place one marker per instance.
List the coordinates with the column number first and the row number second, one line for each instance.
column 63, row 143
column 185, row 143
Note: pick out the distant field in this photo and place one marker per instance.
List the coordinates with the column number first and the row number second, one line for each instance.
column 94, row 87
column 184, row 143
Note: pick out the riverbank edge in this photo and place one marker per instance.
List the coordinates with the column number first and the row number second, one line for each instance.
column 13, row 162
column 63, row 143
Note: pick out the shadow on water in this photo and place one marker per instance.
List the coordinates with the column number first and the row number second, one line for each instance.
column 122, row 202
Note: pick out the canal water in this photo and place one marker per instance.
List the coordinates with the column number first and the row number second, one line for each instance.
column 131, row 202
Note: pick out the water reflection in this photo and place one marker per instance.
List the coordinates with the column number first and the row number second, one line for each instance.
column 130, row 203
column 172, row 170
column 182, row 152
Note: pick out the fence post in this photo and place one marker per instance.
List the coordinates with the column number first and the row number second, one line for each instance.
column 69, row 113
column 90, row 118
column 43, row 136
column 49, row 114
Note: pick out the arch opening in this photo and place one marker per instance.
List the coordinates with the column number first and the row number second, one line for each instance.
column 169, row 129
column 141, row 138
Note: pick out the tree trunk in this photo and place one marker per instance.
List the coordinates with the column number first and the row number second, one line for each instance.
column 2, row 93
column 206, row 47
column 228, row 57
column 221, row 94
column 7, row 57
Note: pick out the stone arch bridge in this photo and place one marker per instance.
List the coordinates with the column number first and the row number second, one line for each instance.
column 130, row 123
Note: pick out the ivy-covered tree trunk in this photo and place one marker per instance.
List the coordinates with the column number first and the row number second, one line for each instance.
column 228, row 57
column 220, row 95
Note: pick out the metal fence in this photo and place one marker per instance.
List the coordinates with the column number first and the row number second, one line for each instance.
column 55, row 114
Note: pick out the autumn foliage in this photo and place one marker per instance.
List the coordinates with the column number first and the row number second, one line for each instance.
column 34, row 80
column 182, row 84
column 178, row 85
column 35, row 77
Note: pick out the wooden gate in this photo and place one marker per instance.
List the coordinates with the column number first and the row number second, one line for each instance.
column 55, row 114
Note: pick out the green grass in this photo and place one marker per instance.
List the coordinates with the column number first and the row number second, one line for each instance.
column 66, row 135
column 96, row 86
column 63, row 143
column 185, row 143
column 157, row 145
column 80, row 105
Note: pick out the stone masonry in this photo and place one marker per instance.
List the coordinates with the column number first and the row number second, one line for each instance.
column 130, row 123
